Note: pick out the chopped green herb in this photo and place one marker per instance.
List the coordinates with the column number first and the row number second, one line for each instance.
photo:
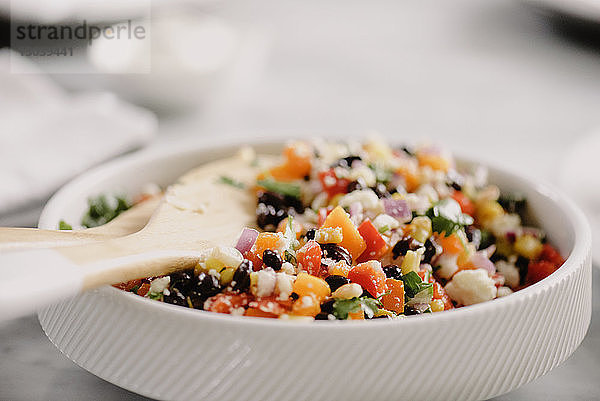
column 101, row 210
column 413, row 285
column 513, row 203
column 381, row 174
column 446, row 217
column 384, row 229
column 155, row 295
column 63, row 225
column 289, row 257
column 135, row 289
column 342, row 307
column 230, row 181
column 283, row 188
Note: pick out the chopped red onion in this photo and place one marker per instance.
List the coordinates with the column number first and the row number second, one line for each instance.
column 355, row 209
column 397, row 208
column 481, row 261
column 247, row 239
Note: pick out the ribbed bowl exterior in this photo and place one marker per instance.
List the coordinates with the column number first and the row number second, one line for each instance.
column 173, row 353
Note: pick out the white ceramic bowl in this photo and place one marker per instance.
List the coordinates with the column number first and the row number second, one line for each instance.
column 168, row 352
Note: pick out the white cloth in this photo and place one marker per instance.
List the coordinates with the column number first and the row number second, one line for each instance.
column 48, row 135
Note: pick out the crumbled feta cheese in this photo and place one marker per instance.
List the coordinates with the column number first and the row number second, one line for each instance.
column 417, row 203
column 288, row 268
column 283, row 286
column 365, row 173
column 510, row 273
column 329, row 235
column 158, row 285
column 366, row 197
column 429, row 193
column 469, row 287
column 447, row 265
column 385, row 220
column 504, row 291
column 228, row 255
column 265, row 283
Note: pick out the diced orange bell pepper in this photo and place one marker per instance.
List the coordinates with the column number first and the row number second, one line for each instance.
column 435, row 161
column 341, row 268
column 376, row 245
column 307, row 284
column 297, row 227
column 306, row 305
column 393, row 300
column 255, row 312
column 266, row 241
column 451, row 244
column 370, row 276
column 360, row 315
column 297, row 164
column 352, row 241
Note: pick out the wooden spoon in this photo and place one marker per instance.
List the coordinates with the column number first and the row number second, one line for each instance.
column 198, row 212
column 126, row 223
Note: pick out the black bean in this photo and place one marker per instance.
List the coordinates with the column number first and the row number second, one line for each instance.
column 294, row 296
column 208, row 285
column 393, row 271
column 356, row 185
column 310, row 234
column 327, row 306
column 268, row 216
column 322, row 316
column 381, row 191
column 241, row 276
column 513, row 203
column 404, row 245
column 367, row 294
column 336, row 281
column 346, row 161
column 183, row 281
column 175, row 298
column 473, row 235
column 455, row 180
column 523, row 265
column 336, row 253
column 272, row 259
column 432, row 249
column 411, row 311
column 197, row 300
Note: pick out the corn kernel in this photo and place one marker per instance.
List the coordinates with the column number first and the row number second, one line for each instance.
column 528, row 246
column 421, row 228
column 488, row 210
column 412, row 260
column 437, row 305
column 214, row 264
column 335, row 200
column 226, row 276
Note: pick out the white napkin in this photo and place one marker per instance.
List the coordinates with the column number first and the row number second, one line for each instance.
column 48, row 135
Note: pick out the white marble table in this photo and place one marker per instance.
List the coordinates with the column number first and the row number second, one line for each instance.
column 489, row 77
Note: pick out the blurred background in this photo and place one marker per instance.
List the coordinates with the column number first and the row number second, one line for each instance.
column 514, row 82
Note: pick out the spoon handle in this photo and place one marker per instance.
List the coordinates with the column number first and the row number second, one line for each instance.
column 35, row 278
column 126, row 223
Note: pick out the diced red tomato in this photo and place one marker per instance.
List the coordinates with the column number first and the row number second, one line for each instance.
column 466, row 205
column 393, row 300
column 143, row 290
column 376, row 245
column 447, row 302
column 256, row 260
column 539, row 270
column 370, row 276
column 550, row 254
column 309, row 257
column 225, row 303
column 129, row 285
column 332, row 185
column 270, row 305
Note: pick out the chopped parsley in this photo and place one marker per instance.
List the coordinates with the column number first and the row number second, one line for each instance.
column 101, row 210
column 230, row 181
column 156, row 296
column 342, row 307
column 413, row 285
column 283, row 188
column 63, row 225
column 447, row 218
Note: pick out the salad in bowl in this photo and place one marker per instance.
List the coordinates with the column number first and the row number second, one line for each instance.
column 353, row 231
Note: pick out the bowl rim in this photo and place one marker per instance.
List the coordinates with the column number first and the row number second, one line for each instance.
column 580, row 251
